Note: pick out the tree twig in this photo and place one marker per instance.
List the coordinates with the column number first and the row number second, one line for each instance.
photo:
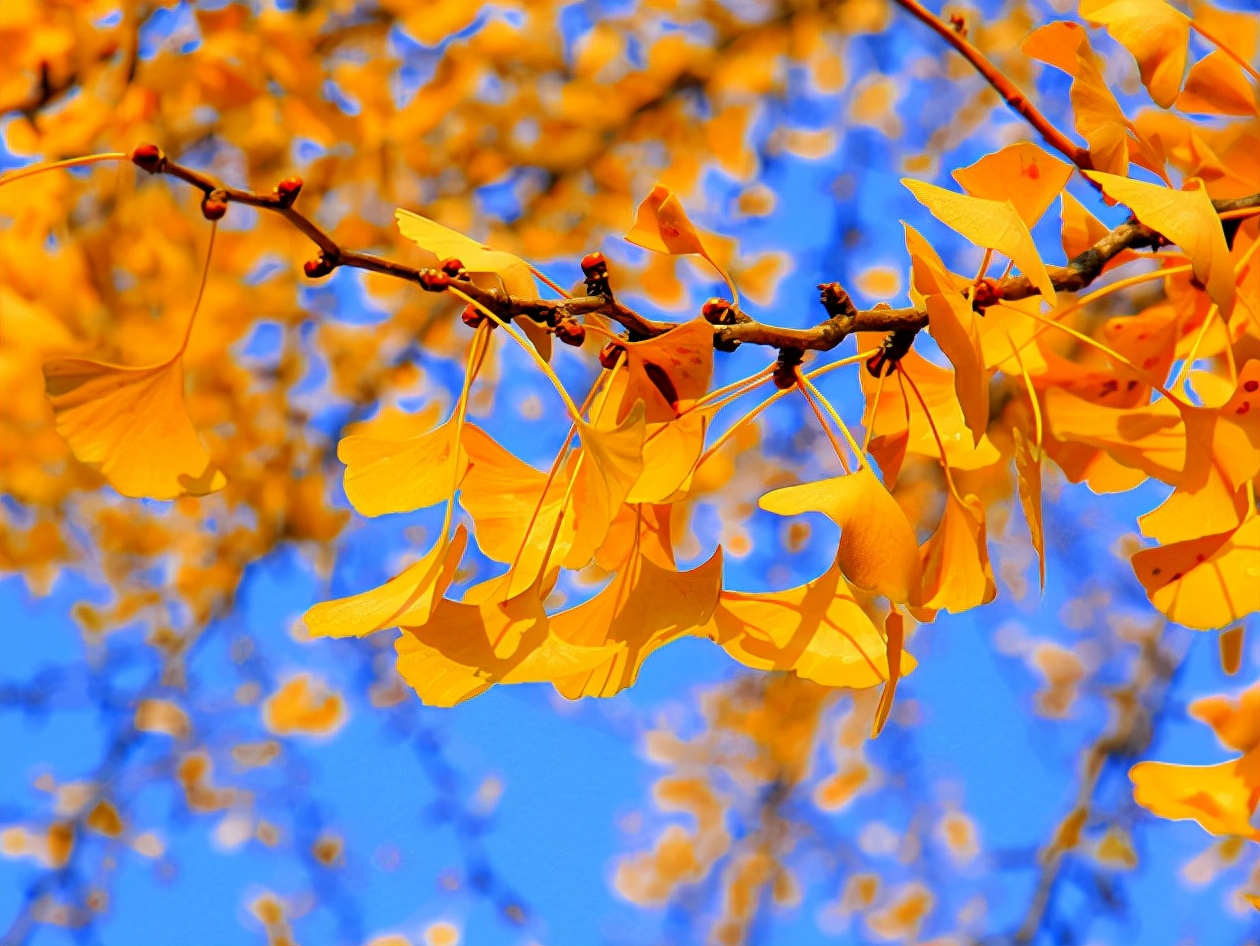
column 1078, row 274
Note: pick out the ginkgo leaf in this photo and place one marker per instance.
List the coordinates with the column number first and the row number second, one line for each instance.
column 957, row 575
column 384, row 476
column 1023, row 174
column 643, row 608
column 444, row 243
column 992, row 224
column 1236, row 722
column 895, row 633
column 1154, row 32
column 1188, row 219
column 668, row 373
column 662, row 225
column 407, row 598
column 304, row 705
column 1221, row 798
column 670, row 454
column 1204, row 583
column 1216, row 85
column 132, row 425
column 505, row 498
column 1098, row 116
column 817, row 631
column 1028, row 474
column 512, row 272
column 467, row 648
column 1151, row 438
column 611, row 462
column 877, row 549
column 953, row 323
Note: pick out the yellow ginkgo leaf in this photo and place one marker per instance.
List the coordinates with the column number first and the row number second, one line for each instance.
column 954, row 325
column 1221, row 798
column 1154, row 32
column 132, row 425
column 407, row 598
column 1188, row 219
column 1151, row 438
column 642, row 609
column 1204, row 583
column 482, row 263
column 1022, row 173
column 957, row 575
column 468, row 648
column 995, row 225
column 877, row 547
column 1217, row 86
column 895, row 634
column 384, row 476
column 611, row 463
column 817, row 631
column 1028, row 472
column 662, row 225
column 670, row 454
column 1236, row 721
column 669, row 372
column 1097, row 114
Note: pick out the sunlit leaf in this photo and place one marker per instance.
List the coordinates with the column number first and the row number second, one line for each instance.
column 956, row 571
column 1221, row 798
column 1022, row 173
column 992, row 224
column 132, row 425
column 407, row 598
column 1154, row 32
column 384, row 476
column 877, row 549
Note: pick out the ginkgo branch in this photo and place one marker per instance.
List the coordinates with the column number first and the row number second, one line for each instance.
column 1002, row 85
column 1078, row 274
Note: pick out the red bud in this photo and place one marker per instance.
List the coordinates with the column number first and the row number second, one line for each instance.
column 149, row 157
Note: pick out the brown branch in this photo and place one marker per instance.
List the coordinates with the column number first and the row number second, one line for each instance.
column 1002, row 84
column 1136, row 705
column 844, row 320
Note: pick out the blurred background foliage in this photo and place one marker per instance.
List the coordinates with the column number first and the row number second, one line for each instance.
column 180, row 764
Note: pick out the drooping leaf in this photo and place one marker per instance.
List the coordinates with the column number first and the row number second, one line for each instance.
column 611, row 463
column 384, row 476
column 817, row 631
column 1098, row 116
column 1022, row 173
column 662, row 225
column 407, row 598
column 1187, row 218
column 1154, row 32
column 1204, row 583
column 895, row 632
column 1216, row 85
column 670, row 454
column 465, row 649
column 1028, row 472
column 954, row 325
column 668, row 373
column 956, row 571
column 132, row 425
column 992, row 224
column 1221, row 798
column 877, row 547
column 642, row 609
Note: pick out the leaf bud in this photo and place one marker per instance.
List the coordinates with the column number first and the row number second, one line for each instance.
column 287, row 190
column 610, row 355
column 571, row 332
column 718, row 311
column 317, row 267
column 452, row 267
column 594, row 264
column 432, row 280
column 149, row 157
column 472, row 316
column 213, row 207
